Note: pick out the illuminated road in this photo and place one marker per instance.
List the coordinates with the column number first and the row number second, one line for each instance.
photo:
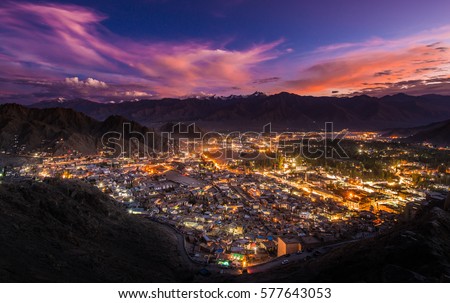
column 307, row 187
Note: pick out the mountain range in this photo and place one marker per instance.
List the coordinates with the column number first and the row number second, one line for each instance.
column 283, row 110
column 60, row 126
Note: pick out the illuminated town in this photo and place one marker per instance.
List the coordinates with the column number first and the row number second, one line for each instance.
column 240, row 150
column 240, row 213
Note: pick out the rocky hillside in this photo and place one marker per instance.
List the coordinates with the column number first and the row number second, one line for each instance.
column 59, row 231
column 59, row 131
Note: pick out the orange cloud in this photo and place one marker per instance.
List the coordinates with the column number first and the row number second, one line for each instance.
column 374, row 65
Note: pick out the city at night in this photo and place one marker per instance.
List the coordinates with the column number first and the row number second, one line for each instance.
column 239, row 150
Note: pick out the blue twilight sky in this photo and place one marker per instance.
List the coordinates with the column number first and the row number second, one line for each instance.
column 109, row 50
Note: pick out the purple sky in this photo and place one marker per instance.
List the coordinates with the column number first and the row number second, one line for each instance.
column 166, row 48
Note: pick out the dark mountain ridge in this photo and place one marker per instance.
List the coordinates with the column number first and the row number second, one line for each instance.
column 283, row 110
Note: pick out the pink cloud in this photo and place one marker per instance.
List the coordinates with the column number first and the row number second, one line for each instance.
column 70, row 40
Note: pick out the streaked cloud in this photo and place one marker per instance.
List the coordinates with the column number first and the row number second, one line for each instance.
column 55, row 41
column 51, row 50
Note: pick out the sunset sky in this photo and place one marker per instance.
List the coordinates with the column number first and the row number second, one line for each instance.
column 119, row 50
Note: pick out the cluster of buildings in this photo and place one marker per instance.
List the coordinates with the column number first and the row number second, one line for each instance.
column 234, row 216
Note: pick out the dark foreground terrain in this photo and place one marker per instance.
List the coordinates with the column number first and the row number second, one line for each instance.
column 68, row 231
column 59, row 231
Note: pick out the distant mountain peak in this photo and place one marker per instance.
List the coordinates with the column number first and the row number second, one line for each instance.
column 257, row 94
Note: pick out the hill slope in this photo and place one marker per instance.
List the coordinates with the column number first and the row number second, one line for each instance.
column 71, row 232
column 59, row 130
column 436, row 133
